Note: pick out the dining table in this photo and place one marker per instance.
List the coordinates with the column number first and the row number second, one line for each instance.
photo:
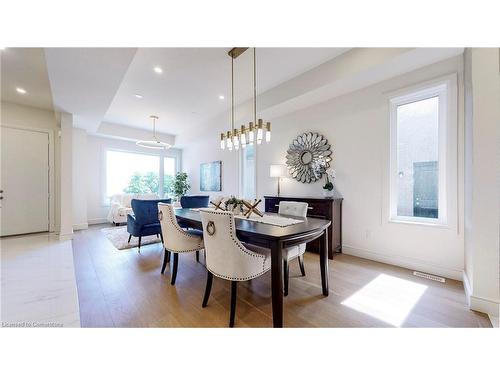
column 275, row 238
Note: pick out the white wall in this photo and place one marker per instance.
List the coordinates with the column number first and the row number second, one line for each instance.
column 357, row 126
column 481, row 176
column 94, row 154
column 79, row 179
column 66, row 191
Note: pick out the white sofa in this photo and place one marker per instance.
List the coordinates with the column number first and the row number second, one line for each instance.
column 120, row 206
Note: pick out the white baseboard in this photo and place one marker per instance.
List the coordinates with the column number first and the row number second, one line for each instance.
column 410, row 263
column 480, row 304
column 495, row 321
column 80, row 226
column 65, row 236
column 97, row 221
column 467, row 288
column 484, row 305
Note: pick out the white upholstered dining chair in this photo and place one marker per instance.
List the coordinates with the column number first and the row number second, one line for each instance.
column 227, row 258
column 296, row 251
column 176, row 239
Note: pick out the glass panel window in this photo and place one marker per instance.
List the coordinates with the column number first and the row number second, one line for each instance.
column 418, row 158
column 418, row 150
column 169, row 170
column 248, row 172
column 128, row 172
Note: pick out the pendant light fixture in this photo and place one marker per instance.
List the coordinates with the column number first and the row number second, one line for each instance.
column 256, row 128
column 155, row 142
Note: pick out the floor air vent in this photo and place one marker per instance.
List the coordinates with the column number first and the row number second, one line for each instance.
column 430, row 277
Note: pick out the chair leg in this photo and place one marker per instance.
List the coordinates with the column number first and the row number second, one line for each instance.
column 301, row 265
column 175, row 264
column 234, row 289
column 129, row 238
column 285, row 277
column 166, row 258
column 161, row 237
column 157, row 235
column 139, row 247
column 208, row 289
column 198, row 256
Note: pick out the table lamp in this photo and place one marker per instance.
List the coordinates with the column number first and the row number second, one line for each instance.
column 279, row 171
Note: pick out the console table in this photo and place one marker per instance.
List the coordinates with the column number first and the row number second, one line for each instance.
column 322, row 208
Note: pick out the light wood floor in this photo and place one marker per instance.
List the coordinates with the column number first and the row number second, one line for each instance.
column 121, row 288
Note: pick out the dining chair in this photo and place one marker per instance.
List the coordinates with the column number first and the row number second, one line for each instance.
column 176, row 239
column 193, row 201
column 296, row 251
column 227, row 258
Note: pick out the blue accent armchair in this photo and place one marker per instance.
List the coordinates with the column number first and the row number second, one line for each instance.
column 194, row 201
column 144, row 221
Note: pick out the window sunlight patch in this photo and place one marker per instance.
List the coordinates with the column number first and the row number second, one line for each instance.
column 387, row 298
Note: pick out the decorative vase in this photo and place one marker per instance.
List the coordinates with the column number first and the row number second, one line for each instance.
column 236, row 208
column 328, row 193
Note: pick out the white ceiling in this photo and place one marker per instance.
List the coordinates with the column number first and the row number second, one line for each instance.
column 25, row 68
column 187, row 93
column 98, row 85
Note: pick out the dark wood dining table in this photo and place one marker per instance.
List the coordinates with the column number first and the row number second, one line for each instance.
column 275, row 238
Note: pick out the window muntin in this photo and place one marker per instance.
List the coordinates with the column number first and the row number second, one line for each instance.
column 418, row 156
column 169, row 170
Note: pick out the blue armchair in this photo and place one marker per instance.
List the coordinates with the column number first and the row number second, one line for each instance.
column 194, row 201
column 144, row 221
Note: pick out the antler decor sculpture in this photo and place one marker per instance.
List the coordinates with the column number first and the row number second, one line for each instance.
column 252, row 208
column 218, row 205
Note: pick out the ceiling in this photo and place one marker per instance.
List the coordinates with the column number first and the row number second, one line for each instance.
column 25, row 68
column 99, row 84
column 187, row 92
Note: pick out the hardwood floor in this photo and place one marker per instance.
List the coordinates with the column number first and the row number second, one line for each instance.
column 121, row 288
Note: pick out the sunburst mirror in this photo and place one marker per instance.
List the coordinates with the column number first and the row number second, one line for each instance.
column 308, row 157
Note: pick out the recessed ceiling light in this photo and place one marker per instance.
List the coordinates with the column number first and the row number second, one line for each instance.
column 221, row 97
column 158, row 70
column 138, row 96
column 20, row 90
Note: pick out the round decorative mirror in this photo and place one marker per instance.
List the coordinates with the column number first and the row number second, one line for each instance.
column 308, row 157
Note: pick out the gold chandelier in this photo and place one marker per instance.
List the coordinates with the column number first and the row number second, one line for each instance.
column 256, row 131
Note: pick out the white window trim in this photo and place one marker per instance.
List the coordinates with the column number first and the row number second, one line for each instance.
column 446, row 89
column 105, row 200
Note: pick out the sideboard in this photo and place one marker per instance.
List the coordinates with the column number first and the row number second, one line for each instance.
column 323, row 208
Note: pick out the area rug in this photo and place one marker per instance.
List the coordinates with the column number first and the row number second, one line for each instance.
column 119, row 238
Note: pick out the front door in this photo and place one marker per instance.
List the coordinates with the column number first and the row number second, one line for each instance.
column 24, row 183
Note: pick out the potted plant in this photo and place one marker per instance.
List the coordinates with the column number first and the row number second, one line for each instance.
column 329, row 187
column 234, row 204
column 180, row 185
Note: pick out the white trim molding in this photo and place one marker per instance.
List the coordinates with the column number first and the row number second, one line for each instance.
column 405, row 262
column 81, row 226
column 445, row 89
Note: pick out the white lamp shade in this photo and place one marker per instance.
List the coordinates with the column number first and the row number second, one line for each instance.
column 278, row 170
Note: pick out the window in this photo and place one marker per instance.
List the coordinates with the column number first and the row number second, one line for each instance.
column 169, row 170
column 131, row 172
column 419, row 128
column 247, row 180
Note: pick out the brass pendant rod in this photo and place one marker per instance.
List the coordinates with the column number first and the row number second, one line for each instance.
column 232, row 94
column 254, row 89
